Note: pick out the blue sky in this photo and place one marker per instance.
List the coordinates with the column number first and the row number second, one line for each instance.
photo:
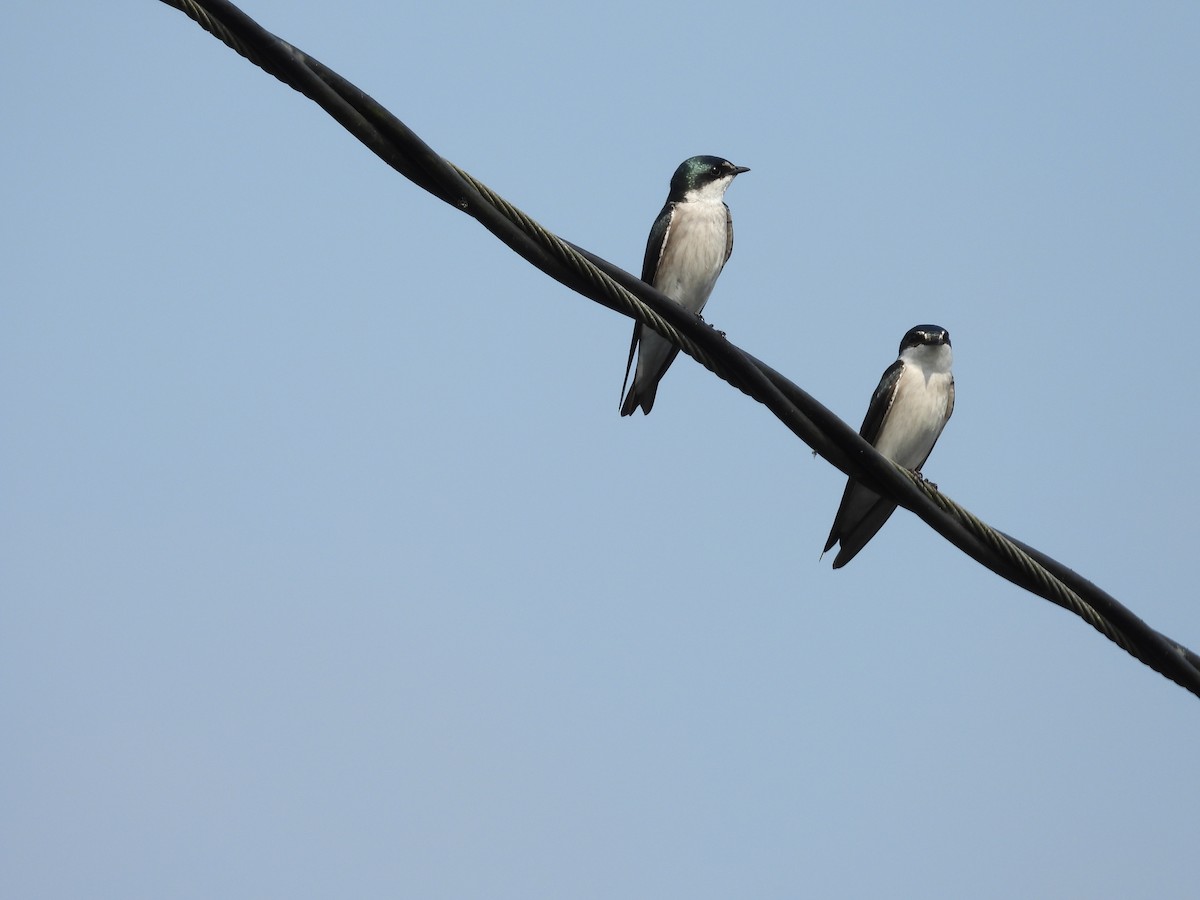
column 330, row 569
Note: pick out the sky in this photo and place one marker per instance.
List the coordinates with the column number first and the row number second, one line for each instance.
column 329, row 568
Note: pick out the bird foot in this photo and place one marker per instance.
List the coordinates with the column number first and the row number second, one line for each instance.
column 921, row 478
column 700, row 316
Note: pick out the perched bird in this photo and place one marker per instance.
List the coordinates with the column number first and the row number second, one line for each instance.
column 908, row 411
column 689, row 243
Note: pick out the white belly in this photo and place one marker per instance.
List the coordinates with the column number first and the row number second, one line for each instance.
column 916, row 418
column 694, row 256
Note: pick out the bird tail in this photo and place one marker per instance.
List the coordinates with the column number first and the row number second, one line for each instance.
column 639, row 394
column 865, row 529
column 635, row 398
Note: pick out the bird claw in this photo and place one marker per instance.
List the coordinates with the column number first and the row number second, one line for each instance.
column 704, row 321
column 925, row 481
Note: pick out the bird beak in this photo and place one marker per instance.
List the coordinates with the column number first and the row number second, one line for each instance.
column 738, row 170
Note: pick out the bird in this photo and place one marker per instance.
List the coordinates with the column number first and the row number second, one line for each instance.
column 689, row 244
column 908, row 411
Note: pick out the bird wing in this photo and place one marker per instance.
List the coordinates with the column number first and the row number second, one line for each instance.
column 643, row 395
column 728, row 233
column 858, row 518
column 881, row 403
column 656, row 242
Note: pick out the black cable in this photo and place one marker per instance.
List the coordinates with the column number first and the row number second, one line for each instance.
column 611, row 286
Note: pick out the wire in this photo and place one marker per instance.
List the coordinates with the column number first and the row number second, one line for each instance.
column 607, row 284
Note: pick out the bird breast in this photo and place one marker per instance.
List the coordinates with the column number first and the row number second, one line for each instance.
column 916, row 418
column 694, row 254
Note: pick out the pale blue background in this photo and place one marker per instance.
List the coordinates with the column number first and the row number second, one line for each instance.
column 329, row 569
